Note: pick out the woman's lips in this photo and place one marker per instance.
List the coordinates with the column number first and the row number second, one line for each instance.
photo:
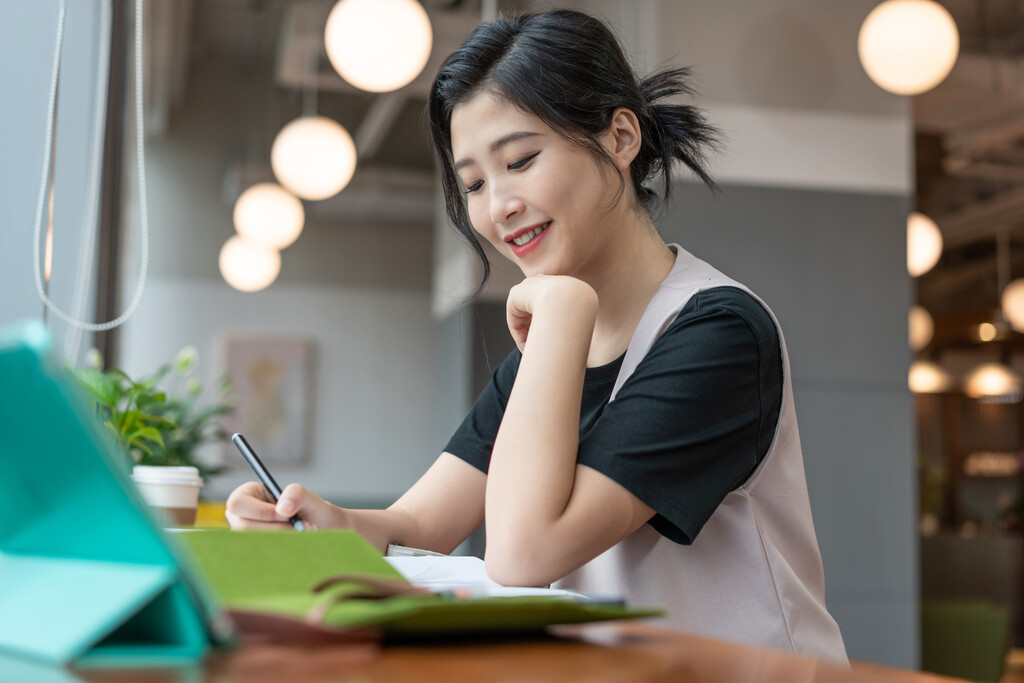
column 526, row 241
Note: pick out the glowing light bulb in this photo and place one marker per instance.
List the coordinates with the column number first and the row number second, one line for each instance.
column 314, row 157
column 1013, row 304
column 924, row 244
column 378, row 45
column 248, row 267
column 267, row 215
column 992, row 379
column 928, row 378
column 920, row 327
column 908, row 46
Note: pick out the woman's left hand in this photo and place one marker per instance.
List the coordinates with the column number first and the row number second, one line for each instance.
column 559, row 296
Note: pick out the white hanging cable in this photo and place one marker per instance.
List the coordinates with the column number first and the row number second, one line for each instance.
column 73, row 341
column 140, row 160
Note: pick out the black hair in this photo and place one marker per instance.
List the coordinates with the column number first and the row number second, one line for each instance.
column 568, row 69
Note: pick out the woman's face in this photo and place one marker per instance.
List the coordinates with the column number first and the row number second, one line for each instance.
column 543, row 202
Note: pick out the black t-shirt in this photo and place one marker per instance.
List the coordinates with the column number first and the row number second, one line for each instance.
column 690, row 424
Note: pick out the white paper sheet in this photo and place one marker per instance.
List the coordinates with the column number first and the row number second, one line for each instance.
column 450, row 573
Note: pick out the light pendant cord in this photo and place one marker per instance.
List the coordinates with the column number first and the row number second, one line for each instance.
column 73, row 339
column 140, row 160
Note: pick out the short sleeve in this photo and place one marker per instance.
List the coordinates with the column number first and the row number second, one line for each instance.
column 697, row 415
column 473, row 441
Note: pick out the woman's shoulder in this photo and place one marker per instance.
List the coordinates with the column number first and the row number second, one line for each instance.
column 721, row 306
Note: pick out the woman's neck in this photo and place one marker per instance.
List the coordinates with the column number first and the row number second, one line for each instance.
column 636, row 263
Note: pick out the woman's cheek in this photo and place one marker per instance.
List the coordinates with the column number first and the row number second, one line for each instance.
column 481, row 223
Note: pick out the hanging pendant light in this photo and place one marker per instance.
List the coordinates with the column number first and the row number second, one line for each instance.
column 924, row 244
column 987, row 332
column 314, row 157
column 926, row 377
column 378, row 45
column 993, row 380
column 920, row 327
column 908, row 46
column 248, row 267
column 1012, row 302
column 269, row 216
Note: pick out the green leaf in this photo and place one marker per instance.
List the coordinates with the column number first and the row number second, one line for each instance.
column 186, row 360
column 152, row 403
column 141, row 434
column 119, row 375
column 103, row 389
column 158, row 420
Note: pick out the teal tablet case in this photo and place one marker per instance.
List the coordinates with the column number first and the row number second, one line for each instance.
column 87, row 575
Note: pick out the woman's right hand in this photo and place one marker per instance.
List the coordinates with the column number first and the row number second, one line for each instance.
column 250, row 506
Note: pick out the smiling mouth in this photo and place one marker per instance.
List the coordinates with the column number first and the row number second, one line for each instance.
column 528, row 237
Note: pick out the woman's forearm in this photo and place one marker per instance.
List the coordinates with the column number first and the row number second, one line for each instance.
column 382, row 527
column 533, row 464
column 437, row 513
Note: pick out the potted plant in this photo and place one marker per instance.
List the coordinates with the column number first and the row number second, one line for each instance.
column 160, row 425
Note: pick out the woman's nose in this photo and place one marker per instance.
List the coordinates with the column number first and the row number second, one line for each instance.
column 505, row 204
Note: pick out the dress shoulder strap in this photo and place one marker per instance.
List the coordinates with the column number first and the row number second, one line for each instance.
column 688, row 276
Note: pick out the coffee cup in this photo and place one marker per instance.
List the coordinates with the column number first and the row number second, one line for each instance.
column 172, row 491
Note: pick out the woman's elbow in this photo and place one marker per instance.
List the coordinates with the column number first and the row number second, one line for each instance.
column 517, row 568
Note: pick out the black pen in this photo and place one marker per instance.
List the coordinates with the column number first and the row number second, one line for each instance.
column 264, row 474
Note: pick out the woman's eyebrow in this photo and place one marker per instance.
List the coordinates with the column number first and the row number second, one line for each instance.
column 498, row 144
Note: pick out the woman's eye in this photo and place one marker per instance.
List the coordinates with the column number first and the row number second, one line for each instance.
column 522, row 162
column 475, row 186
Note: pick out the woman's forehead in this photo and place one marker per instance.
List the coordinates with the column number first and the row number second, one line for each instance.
column 485, row 117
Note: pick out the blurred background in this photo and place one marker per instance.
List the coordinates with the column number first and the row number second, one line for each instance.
column 351, row 342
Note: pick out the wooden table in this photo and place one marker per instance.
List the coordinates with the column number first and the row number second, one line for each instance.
column 618, row 652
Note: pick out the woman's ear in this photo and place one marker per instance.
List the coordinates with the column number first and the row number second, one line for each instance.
column 623, row 137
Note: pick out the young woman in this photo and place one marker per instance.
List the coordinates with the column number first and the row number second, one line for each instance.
column 642, row 439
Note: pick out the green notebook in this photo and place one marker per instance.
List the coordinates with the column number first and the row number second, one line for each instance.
column 274, row 571
column 86, row 573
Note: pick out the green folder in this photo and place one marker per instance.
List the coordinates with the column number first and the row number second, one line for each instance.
column 273, row 572
column 87, row 575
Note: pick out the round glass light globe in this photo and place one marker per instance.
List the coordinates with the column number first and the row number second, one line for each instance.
column 378, row 45
column 920, row 326
column 1013, row 304
column 248, row 267
column 908, row 46
column 992, row 379
column 924, row 244
column 314, row 157
column 268, row 215
column 928, row 378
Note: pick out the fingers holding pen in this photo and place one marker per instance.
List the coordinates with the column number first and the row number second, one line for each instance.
column 314, row 511
column 250, row 506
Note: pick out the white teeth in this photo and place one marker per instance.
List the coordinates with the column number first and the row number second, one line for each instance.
column 527, row 236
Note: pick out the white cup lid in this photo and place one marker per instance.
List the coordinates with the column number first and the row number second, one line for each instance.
column 154, row 474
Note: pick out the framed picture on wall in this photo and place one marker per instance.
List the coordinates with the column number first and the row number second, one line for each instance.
column 272, row 380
